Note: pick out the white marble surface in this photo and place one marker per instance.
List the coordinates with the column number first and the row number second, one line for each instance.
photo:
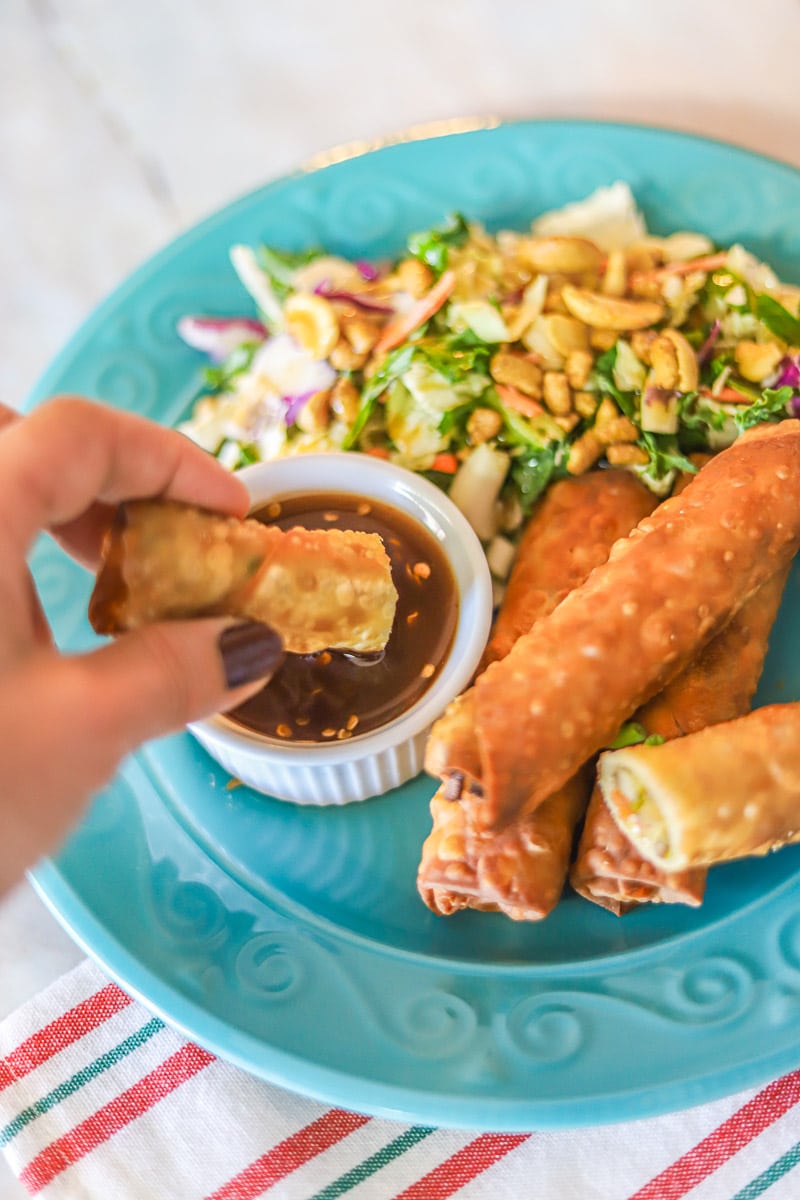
column 122, row 124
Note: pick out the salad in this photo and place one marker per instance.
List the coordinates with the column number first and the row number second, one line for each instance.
column 494, row 363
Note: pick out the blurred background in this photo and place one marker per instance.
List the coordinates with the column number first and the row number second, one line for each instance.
column 121, row 125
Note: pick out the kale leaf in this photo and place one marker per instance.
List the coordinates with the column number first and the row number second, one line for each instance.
column 778, row 319
column 431, row 245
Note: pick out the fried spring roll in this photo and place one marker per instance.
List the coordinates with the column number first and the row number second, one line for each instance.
column 609, row 871
column 613, row 643
column 320, row 589
column 718, row 686
column 522, row 871
column 570, row 532
column 729, row 791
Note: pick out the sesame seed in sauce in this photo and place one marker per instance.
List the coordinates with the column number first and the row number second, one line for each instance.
column 352, row 721
column 428, row 670
column 284, row 731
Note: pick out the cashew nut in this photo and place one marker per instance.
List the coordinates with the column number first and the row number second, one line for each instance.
column 569, row 255
column 610, row 312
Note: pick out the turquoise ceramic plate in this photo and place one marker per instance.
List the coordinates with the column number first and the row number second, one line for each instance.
column 291, row 941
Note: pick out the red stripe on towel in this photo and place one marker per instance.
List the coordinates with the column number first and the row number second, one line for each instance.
column 70, row 1027
column 463, row 1166
column 115, row 1115
column 723, row 1142
column 290, row 1154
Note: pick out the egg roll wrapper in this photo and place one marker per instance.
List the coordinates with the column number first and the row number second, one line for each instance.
column 571, row 531
column 610, row 872
column 718, row 686
column 565, row 688
column 520, row 872
column 726, row 792
column 320, row 589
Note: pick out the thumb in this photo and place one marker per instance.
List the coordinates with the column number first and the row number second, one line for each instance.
column 156, row 679
column 66, row 722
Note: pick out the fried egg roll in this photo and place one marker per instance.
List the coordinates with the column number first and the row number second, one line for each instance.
column 729, row 791
column 565, row 688
column 610, row 872
column 571, row 531
column 320, row 589
column 522, row 871
column 718, row 686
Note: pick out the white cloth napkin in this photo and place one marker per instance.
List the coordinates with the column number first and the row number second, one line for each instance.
column 99, row 1099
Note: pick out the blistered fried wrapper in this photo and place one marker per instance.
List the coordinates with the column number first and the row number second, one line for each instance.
column 320, row 589
column 521, row 872
column 565, row 688
column 718, row 686
column 729, row 791
column 571, row 532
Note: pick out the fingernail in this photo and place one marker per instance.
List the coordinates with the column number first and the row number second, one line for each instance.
column 249, row 651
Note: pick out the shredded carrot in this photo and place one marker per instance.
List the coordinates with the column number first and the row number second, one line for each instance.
column 514, row 399
column 710, row 262
column 401, row 327
column 727, row 395
column 447, row 463
column 378, row 451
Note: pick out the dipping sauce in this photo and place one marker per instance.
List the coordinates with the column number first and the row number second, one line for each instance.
column 334, row 695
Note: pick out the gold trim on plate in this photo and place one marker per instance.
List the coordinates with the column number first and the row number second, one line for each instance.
column 414, row 133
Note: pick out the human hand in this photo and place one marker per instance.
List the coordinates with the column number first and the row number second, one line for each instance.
column 66, row 721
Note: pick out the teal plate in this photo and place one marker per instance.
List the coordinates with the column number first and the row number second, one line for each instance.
column 291, row 941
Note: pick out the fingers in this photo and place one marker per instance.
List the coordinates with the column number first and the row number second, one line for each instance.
column 67, row 722
column 70, row 452
column 8, row 416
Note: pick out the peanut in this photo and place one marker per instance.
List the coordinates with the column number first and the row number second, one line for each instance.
column 611, row 426
column 556, row 393
column 623, row 454
column 414, row 277
column 577, row 367
column 585, row 403
column 641, row 343
column 610, row 312
column 757, row 360
column 314, row 415
column 602, row 339
column 615, row 277
column 517, row 371
column 483, row 424
column 567, row 422
column 360, row 333
column 584, row 453
column 344, row 358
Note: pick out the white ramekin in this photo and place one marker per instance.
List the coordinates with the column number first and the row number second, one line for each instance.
column 325, row 773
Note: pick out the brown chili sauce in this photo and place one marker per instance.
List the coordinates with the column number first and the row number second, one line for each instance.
column 333, row 695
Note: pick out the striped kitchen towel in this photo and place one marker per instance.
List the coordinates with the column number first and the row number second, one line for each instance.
column 100, row 1100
